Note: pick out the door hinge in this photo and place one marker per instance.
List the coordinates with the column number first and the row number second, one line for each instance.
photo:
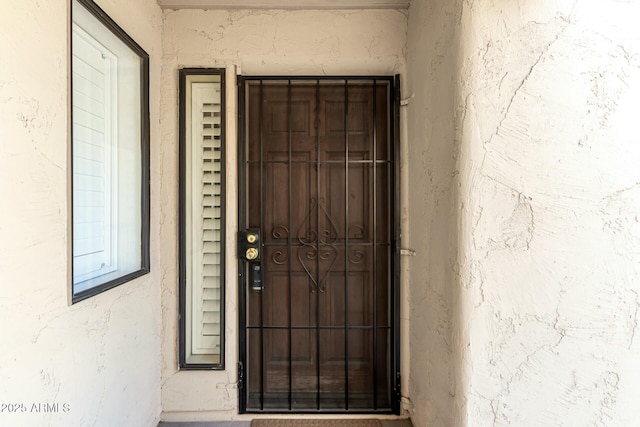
column 240, row 375
column 398, row 393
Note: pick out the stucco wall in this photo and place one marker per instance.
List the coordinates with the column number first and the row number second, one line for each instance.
column 430, row 183
column 250, row 42
column 549, row 207
column 98, row 360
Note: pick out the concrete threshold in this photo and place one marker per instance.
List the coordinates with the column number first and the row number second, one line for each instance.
column 385, row 423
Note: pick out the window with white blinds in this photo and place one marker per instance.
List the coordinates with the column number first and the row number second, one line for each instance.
column 94, row 165
column 202, row 197
column 109, row 144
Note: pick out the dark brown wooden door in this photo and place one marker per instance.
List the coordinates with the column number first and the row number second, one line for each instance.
column 319, row 174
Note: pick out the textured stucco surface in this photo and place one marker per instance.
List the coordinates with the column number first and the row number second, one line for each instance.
column 521, row 206
column 250, row 42
column 431, row 67
column 549, row 207
column 525, row 283
column 100, row 356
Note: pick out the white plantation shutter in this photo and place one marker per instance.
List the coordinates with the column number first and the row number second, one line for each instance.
column 206, row 218
column 94, row 120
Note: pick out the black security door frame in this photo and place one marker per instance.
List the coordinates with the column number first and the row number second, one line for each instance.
column 394, row 122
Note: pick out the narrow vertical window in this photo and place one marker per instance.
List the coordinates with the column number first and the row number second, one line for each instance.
column 202, row 218
column 110, row 142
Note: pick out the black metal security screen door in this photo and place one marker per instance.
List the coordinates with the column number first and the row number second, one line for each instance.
column 318, row 246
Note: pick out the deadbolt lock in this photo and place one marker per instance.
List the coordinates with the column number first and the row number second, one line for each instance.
column 251, row 254
column 252, row 237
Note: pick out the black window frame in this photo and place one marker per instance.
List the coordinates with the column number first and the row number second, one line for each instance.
column 182, row 219
column 145, row 263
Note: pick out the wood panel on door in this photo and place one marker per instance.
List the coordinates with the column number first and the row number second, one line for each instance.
column 319, row 187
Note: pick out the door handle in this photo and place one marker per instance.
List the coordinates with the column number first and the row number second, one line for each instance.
column 251, row 254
